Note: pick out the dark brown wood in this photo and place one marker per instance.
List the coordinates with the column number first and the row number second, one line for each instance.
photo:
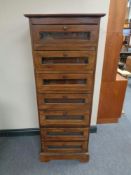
column 64, row 61
column 112, row 89
column 82, row 157
column 63, row 118
column 64, row 82
column 65, row 147
column 76, row 15
column 62, row 37
column 64, row 54
column 64, row 134
column 65, row 20
column 68, row 101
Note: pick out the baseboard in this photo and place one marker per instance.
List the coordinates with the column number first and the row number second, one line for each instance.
column 30, row 132
column 19, row 132
column 93, row 129
column 107, row 121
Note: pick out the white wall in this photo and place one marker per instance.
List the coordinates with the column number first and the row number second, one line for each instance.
column 17, row 89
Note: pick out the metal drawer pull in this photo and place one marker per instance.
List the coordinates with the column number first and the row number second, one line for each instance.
column 65, row 27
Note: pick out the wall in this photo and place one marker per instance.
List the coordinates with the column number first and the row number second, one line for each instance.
column 17, row 89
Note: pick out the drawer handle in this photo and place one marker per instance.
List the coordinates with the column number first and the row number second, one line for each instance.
column 64, row 77
column 65, row 27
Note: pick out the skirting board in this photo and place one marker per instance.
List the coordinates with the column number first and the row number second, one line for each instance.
column 30, row 132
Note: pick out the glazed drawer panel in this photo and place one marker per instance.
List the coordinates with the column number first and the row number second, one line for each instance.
column 65, row 147
column 64, row 37
column 64, row 101
column 64, row 82
column 64, row 134
column 64, row 61
column 65, row 118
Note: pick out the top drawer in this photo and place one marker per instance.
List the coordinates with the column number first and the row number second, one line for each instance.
column 64, row 37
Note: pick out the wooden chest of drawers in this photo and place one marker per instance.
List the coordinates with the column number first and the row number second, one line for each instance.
column 64, row 54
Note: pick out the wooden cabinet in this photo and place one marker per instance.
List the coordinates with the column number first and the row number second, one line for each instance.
column 64, row 54
column 113, row 87
column 111, row 100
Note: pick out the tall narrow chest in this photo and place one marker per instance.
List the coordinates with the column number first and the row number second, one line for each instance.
column 64, row 54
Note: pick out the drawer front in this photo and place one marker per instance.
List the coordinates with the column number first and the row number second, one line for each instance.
column 64, row 134
column 64, row 101
column 64, row 37
column 65, row 147
column 64, row 82
column 66, row 61
column 65, row 118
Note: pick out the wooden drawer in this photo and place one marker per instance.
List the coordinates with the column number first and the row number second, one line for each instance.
column 64, row 82
column 64, row 101
column 65, row 147
column 65, row 118
column 64, row 61
column 64, row 37
column 64, row 134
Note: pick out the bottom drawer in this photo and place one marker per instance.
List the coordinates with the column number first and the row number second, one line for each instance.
column 65, row 147
column 64, row 134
